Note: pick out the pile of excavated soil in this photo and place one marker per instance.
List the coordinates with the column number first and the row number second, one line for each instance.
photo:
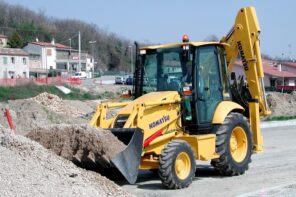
column 28, row 169
column 56, row 104
column 82, row 144
column 282, row 104
column 28, row 114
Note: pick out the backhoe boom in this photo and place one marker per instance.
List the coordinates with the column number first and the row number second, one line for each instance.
column 243, row 39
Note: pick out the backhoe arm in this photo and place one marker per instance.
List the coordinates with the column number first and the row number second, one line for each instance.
column 243, row 39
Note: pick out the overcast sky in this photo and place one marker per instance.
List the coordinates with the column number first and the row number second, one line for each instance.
column 165, row 21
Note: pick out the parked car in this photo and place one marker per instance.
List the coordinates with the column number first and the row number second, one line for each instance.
column 80, row 75
column 121, row 79
column 129, row 81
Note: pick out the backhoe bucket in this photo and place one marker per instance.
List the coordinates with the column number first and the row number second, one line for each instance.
column 128, row 161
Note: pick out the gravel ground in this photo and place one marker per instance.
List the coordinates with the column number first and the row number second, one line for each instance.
column 282, row 104
column 28, row 169
column 56, row 104
column 28, row 114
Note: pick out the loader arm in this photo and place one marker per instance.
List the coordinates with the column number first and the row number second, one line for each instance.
column 243, row 39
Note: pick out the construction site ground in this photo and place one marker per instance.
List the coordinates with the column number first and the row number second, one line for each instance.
column 271, row 174
column 29, row 169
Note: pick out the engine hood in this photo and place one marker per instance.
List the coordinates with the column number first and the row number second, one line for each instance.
column 150, row 97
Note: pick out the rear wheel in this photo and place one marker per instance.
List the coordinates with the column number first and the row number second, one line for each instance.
column 234, row 145
column 177, row 165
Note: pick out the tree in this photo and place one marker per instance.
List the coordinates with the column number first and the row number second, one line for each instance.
column 15, row 41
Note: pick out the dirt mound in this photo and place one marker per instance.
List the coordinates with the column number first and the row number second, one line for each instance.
column 56, row 104
column 84, row 145
column 28, row 114
column 28, row 169
column 282, row 104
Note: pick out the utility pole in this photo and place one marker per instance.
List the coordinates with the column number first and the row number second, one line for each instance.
column 69, row 57
column 93, row 56
column 79, row 52
column 290, row 51
column 282, row 69
column 46, row 64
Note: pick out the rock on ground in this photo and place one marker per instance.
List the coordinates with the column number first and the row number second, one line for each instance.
column 28, row 169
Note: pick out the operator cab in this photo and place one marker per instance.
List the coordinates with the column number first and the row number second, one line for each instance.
column 198, row 71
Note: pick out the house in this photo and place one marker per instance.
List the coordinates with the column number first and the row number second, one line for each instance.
column 47, row 56
column 274, row 73
column 3, row 41
column 13, row 63
column 289, row 66
column 42, row 57
column 68, row 61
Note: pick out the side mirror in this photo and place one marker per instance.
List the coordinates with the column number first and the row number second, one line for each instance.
column 233, row 76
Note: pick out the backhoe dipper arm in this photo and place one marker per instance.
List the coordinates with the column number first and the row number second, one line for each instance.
column 243, row 39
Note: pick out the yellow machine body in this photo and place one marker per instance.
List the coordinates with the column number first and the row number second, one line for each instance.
column 158, row 114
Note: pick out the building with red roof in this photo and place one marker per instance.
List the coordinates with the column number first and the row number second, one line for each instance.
column 46, row 56
column 275, row 73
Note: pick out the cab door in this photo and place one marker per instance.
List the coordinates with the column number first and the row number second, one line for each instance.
column 208, row 85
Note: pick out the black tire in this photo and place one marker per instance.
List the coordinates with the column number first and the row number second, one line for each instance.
column 167, row 161
column 226, row 165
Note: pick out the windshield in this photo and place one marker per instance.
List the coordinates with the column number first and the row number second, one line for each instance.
column 167, row 69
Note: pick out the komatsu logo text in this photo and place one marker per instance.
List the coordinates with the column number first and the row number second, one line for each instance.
column 242, row 54
column 158, row 122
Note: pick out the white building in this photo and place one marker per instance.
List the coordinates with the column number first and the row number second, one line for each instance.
column 45, row 56
column 42, row 56
column 13, row 63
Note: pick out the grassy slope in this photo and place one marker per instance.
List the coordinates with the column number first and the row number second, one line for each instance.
column 23, row 92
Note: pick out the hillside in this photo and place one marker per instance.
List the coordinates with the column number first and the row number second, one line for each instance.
column 110, row 50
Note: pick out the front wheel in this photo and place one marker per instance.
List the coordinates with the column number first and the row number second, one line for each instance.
column 234, row 145
column 177, row 165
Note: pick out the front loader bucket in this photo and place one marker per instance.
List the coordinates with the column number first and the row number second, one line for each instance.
column 128, row 161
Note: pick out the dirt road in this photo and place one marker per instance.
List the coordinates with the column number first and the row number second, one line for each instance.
column 276, row 166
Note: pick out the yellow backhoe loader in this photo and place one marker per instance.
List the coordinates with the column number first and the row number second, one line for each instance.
column 188, row 105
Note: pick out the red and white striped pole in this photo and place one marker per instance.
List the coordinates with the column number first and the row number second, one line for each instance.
column 9, row 119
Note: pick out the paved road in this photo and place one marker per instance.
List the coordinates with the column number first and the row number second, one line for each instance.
column 275, row 167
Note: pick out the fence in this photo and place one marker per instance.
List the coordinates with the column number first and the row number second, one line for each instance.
column 39, row 81
column 286, row 88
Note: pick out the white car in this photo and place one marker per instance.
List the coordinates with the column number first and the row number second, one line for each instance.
column 80, row 75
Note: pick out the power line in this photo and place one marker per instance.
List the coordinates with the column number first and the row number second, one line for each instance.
column 64, row 41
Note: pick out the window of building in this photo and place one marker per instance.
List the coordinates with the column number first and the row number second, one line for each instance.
column 4, row 60
column 24, row 61
column 12, row 60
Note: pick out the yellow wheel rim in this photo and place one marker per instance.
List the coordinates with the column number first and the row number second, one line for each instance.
column 182, row 165
column 238, row 144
